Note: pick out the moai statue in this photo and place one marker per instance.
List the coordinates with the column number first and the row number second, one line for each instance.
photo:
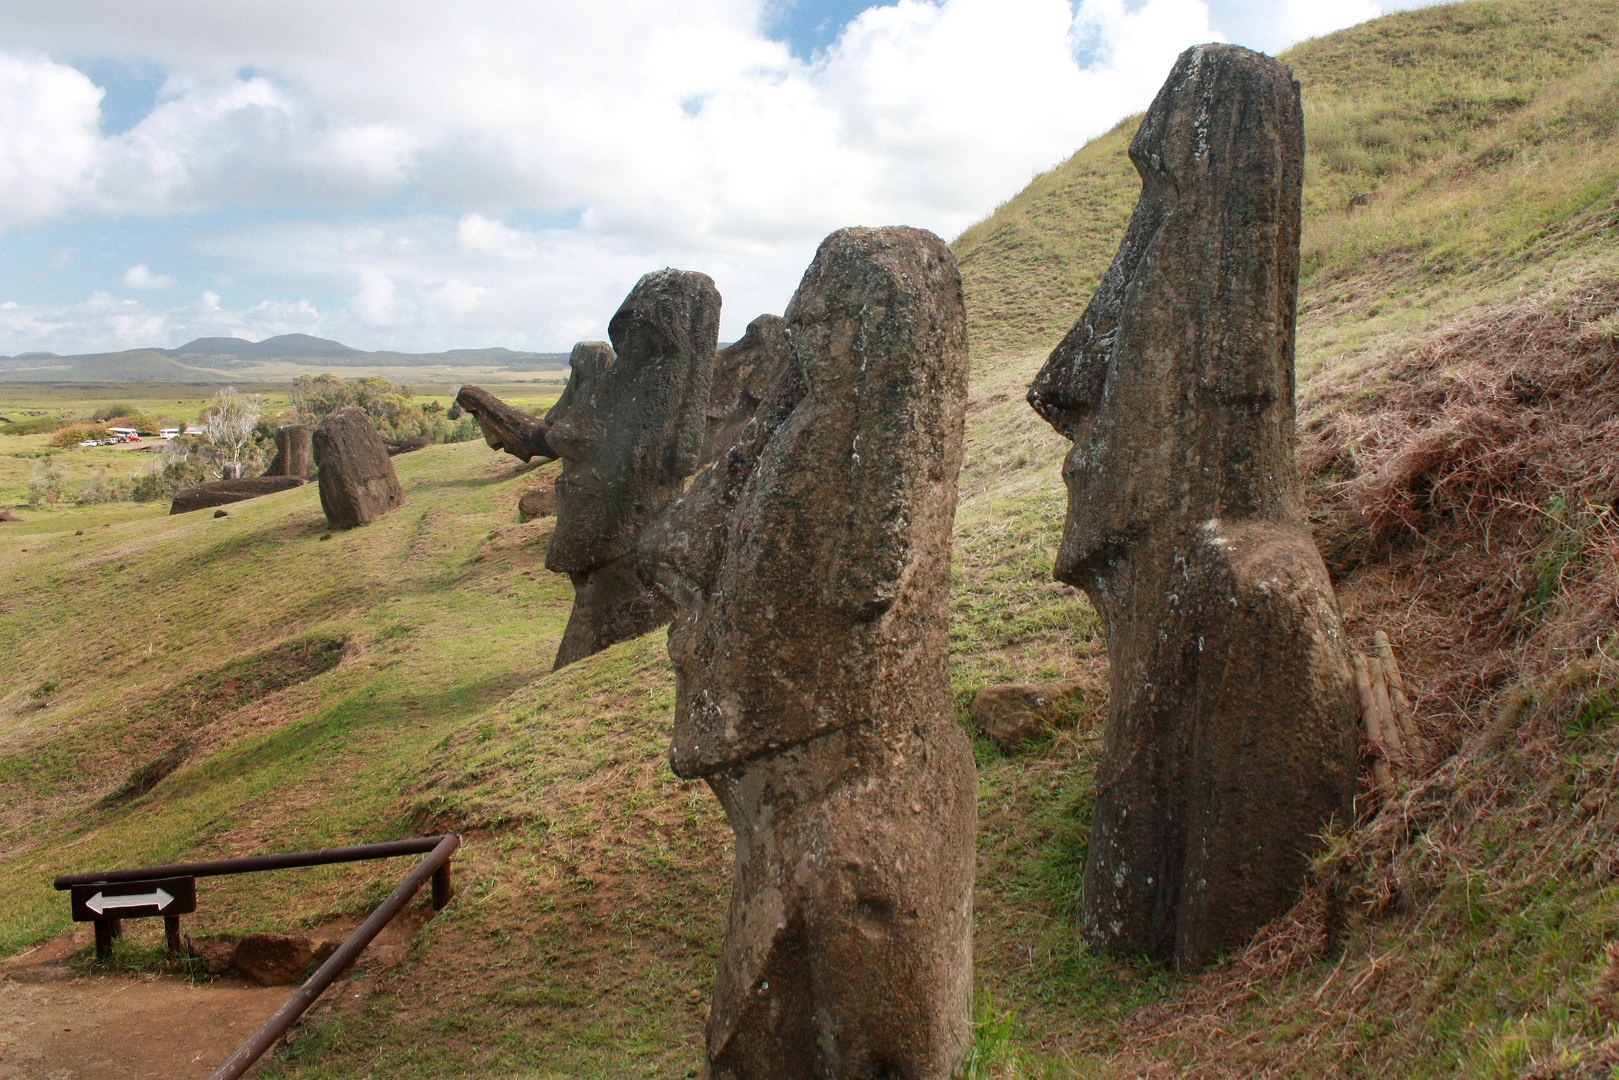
column 358, row 484
column 630, row 428
column 1230, row 743
column 504, row 427
column 811, row 569
column 744, row 374
column 294, row 453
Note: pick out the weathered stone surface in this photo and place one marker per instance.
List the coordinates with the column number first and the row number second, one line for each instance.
column 1014, row 714
column 1230, row 742
column 395, row 447
column 273, row 959
column 224, row 492
column 215, row 951
column 357, row 481
column 745, row 373
column 537, row 503
column 630, row 427
column 504, row 427
column 811, row 567
column 221, row 513
column 294, row 453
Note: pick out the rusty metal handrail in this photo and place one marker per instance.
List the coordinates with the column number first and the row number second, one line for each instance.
column 434, row 866
column 253, row 863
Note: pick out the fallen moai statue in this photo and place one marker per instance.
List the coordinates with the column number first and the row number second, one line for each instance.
column 744, row 374
column 811, row 570
column 407, row 445
column 630, row 427
column 1230, row 743
column 504, row 427
column 294, row 453
column 224, row 492
column 357, row 481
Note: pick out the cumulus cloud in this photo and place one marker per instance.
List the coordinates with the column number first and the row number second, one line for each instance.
column 139, row 277
column 49, row 136
column 660, row 134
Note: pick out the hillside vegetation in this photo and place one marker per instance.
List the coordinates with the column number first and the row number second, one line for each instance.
column 1459, row 345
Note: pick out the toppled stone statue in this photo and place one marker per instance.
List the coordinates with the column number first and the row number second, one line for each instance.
column 408, row 445
column 811, row 568
column 630, row 427
column 1231, row 738
column 294, row 453
column 357, row 481
column 744, row 374
column 504, row 427
column 224, row 492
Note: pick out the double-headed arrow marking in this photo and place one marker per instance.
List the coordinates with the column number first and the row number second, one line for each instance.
column 100, row 904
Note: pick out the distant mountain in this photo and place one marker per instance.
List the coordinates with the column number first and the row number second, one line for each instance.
column 212, row 358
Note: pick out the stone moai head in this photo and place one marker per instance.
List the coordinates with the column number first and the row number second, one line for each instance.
column 810, row 567
column 1176, row 385
column 745, row 372
column 788, row 557
column 631, row 424
column 1230, row 743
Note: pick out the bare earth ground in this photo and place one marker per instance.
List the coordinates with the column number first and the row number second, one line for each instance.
column 55, row 1025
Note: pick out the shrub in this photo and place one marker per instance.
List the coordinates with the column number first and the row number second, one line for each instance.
column 98, row 491
column 45, row 485
column 75, row 434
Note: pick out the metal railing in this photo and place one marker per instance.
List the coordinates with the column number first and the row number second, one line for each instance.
column 436, row 866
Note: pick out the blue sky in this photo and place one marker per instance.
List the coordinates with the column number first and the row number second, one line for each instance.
column 412, row 175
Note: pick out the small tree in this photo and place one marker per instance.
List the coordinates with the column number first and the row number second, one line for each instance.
column 228, row 430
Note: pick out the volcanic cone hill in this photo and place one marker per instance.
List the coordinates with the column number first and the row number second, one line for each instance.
column 1458, row 358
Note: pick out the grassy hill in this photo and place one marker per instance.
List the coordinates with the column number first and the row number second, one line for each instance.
column 1460, row 338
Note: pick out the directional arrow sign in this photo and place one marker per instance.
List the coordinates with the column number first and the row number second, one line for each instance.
column 134, row 899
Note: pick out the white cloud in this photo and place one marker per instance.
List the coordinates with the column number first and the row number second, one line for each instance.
column 1302, row 19
column 139, row 277
column 662, row 134
column 49, row 115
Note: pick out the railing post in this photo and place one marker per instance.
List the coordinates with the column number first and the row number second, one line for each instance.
column 171, row 932
column 443, row 889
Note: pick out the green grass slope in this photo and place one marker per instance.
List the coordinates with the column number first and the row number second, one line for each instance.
column 1480, row 133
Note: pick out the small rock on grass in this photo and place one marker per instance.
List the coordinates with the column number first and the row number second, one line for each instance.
column 274, row 959
column 1016, row 714
column 216, row 951
column 538, row 503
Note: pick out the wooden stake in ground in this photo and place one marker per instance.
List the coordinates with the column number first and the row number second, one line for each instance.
column 1372, row 722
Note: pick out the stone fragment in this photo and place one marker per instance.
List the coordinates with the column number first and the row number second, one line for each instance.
column 537, row 503
column 294, row 453
column 630, row 426
column 1230, row 743
column 357, row 481
column 224, row 492
column 273, row 959
column 7, row 515
column 221, row 513
column 504, row 427
column 811, row 570
column 409, row 445
column 215, row 951
column 744, row 374
column 1015, row 714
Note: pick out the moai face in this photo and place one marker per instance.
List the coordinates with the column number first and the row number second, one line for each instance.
column 786, row 567
column 1179, row 400
column 631, row 423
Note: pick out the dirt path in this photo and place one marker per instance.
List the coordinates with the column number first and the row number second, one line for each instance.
column 54, row 1026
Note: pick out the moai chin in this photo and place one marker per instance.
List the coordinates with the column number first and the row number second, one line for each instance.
column 811, row 570
column 1230, row 739
column 630, row 428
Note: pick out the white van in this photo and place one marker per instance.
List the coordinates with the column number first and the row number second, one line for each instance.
column 168, row 433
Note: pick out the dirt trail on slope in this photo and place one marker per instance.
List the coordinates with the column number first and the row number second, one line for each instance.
column 55, row 1025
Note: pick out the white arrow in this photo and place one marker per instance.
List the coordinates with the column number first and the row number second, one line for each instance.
column 99, row 904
